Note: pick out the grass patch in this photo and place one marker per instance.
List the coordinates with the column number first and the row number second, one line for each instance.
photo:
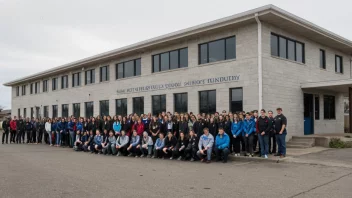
column 338, row 143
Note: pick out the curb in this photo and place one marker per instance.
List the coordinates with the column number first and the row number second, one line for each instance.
column 258, row 159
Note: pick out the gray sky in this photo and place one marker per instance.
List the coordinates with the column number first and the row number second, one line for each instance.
column 40, row 34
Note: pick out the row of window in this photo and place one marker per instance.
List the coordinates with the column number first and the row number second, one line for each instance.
column 207, row 104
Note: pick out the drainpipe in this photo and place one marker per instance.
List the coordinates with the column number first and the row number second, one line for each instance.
column 260, row 67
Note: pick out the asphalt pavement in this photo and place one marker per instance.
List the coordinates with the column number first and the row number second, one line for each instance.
column 43, row 171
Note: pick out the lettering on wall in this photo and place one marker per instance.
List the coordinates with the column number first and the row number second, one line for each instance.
column 173, row 85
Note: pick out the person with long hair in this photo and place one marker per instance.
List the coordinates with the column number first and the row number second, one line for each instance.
column 154, row 128
column 181, row 146
column 192, row 146
column 158, row 147
column 170, row 144
column 236, row 130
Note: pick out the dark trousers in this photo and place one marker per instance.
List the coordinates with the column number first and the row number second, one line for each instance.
column 249, row 143
column 40, row 136
column 237, row 144
column 46, row 138
column 281, row 143
column 5, row 134
column 123, row 150
column 191, row 153
column 255, row 141
column 231, row 141
column 222, row 154
column 135, row 151
column 272, row 145
column 29, row 133
column 158, row 153
column 13, row 136
column 34, row 136
column 20, row 136
column 177, row 153
column 243, row 144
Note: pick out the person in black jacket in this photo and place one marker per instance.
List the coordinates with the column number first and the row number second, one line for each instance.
column 183, row 125
column 21, row 127
column 227, row 129
column 170, row 144
column 212, row 127
column 29, row 128
column 181, row 146
column 6, row 128
column 272, row 135
column 192, row 146
column 41, row 131
column 264, row 125
column 198, row 126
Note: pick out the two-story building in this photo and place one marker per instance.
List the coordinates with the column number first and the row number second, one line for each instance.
column 262, row 58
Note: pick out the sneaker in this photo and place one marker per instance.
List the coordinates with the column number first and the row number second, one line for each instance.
column 265, row 156
column 180, row 158
column 136, row 156
column 277, row 154
column 282, row 156
column 118, row 154
column 149, row 156
column 208, row 161
column 51, row 145
column 129, row 155
column 142, row 156
column 192, row 160
column 171, row 158
column 239, row 154
column 153, row 157
column 250, row 155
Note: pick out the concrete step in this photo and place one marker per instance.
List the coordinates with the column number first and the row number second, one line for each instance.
column 302, row 138
column 302, row 141
column 310, row 144
column 297, row 146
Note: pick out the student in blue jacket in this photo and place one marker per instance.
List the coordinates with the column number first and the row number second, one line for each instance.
column 236, row 129
column 70, row 126
column 59, row 131
column 248, row 131
column 222, row 142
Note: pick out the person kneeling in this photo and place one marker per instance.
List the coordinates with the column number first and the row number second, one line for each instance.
column 122, row 144
column 78, row 141
column 222, row 142
column 146, row 145
column 111, row 143
column 170, row 144
column 205, row 146
column 98, row 142
column 158, row 147
column 181, row 146
column 134, row 147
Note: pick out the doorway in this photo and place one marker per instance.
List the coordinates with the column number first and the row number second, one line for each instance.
column 308, row 114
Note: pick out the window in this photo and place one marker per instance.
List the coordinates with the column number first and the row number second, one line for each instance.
column 322, row 59
column 236, row 100
column 54, row 111
column 64, row 82
column 36, row 88
column 90, row 77
column 329, row 107
column 223, row 49
column 76, row 110
column 17, row 91
column 46, row 111
column 170, row 60
column 316, row 107
column 207, row 101
column 128, row 69
column 76, row 79
column 104, row 107
column 158, row 104
column 181, row 102
column 121, row 107
column 338, row 64
column 24, row 90
column 64, row 111
column 32, row 113
column 138, row 105
column 31, row 88
column 54, row 84
column 287, row 48
column 18, row 113
column 104, row 73
column 24, row 113
column 89, row 109
column 45, row 85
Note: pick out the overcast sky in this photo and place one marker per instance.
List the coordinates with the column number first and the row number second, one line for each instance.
column 39, row 34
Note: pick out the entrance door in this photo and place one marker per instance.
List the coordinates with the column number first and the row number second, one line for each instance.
column 308, row 114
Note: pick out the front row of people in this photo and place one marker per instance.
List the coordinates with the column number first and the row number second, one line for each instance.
column 184, row 148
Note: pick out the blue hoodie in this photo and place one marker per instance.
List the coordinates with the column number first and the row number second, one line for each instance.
column 70, row 126
column 79, row 126
column 222, row 142
column 237, row 128
column 116, row 126
column 53, row 126
column 135, row 140
column 248, row 126
column 59, row 126
column 159, row 143
column 255, row 126
column 98, row 139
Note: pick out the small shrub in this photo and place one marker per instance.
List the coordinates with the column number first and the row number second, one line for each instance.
column 348, row 144
column 336, row 143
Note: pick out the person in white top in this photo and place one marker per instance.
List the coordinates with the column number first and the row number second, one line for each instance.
column 48, row 130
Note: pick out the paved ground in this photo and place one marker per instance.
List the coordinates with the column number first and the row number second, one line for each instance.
column 42, row 171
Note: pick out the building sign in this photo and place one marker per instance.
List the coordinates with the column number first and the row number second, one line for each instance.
column 180, row 84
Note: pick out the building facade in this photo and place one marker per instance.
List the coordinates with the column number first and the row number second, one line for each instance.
column 262, row 58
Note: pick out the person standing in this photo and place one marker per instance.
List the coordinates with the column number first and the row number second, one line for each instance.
column 272, row 136
column 71, row 131
column 48, row 130
column 222, row 144
column 13, row 130
column 5, row 127
column 263, row 130
column 281, row 132
column 236, row 130
column 41, row 131
column 29, row 128
column 248, row 130
column 205, row 146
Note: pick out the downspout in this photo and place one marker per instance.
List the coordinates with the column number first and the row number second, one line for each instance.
column 260, row 67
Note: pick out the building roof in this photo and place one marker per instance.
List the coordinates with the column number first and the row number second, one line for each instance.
column 269, row 14
column 5, row 112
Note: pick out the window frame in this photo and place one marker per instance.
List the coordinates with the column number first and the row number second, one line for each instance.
column 62, row 111
column 341, row 64
column 133, row 104
column 124, row 69
column 24, row 113
column 36, row 87
column 45, row 85
column 225, row 50
column 78, row 75
column 79, row 110
column 56, row 111
column 62, row 81
column 17, row 91
column 286, row 50
column 23, row 87
column 230, row 98
column 124, row 106
column 46, row 111
column 327, row 112
column 54, row 84
column 107, row 73
column 100, row 105
column 182, row 94
column 92, row 76
column 85, row 108
column 199, row 97
column 322, row 59
column 169, row 57
column 31, row 88
column 160, row 106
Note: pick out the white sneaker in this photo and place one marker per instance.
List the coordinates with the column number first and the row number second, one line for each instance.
column 239, row 154
column 265, row 156
column 236, row 155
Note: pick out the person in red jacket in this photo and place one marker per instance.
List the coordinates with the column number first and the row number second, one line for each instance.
column 139, row 127
column 13, row 127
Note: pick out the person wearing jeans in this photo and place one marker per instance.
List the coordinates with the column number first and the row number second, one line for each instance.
column 58, row 133
column 205, row 146
column 222, row 146
column 272, row 135
column 263, row 130
column 146, row 145
column 70, row 127
column 281, row 132
column 48, row 129
column 5, row 127
column 248, row 126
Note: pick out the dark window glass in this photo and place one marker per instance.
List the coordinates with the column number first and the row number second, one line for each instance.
column 164, row 62
column 138, row 66
column 184, row 57
column 64, row 82
column 216, row 51
column 104, row 108
column 290, row 50
column 322, row 59
column 299, row 52
column 18, row 113
column 158, row 104
column 46, row 111
column 316, row 107
column 236, row 100
column 138, row 105
column 274, row 45
column 89, row 109
column 76, row 110
column 54, row 111
column 231, row 48
column 24, row 113
column 90, row 76
column 54, row 84
column 121, row 107
column 203, row 53
column 32, row 113
column 119, row 70
column 31, row 88
column 45, row 85
column 283, row 50
column 24, row 90
column 64, row 111
column 181, row 102
column 76, row 79
column 104, row 73
column 329, row 107
column 17, row 91
column 36, row 88
column 156, row 63
column 338, row 64
column 129, row 69
column 174, row 59
column 207, row 101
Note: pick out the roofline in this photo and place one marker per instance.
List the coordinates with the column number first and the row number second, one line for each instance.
column 184, row 32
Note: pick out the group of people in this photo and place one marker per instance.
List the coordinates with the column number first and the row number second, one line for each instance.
column 182, row 136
